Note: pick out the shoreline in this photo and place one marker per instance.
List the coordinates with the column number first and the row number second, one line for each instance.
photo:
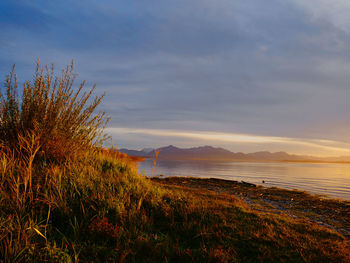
column 329, row 212
column 265, row 184
column 142, row 159
column 317, row 179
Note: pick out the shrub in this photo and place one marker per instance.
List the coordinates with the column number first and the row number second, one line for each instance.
column 60, row 117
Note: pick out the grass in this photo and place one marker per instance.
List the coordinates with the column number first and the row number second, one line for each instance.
column 333, row 213
column 61, row 119
column 99, row 209
column 95, row 207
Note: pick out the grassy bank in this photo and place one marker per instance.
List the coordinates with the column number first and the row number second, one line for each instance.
column 99, row 209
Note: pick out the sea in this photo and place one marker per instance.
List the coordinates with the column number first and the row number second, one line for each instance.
column 330, row 180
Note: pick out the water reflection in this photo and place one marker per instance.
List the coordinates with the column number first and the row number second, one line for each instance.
column 327, row 179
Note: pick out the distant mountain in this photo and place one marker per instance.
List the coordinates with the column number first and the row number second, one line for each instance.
column 172, row 152
column 204, row 153
column 213, row 153
column 138, row 153
column 147, row 150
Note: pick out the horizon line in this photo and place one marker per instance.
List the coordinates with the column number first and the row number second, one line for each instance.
column 330, row 145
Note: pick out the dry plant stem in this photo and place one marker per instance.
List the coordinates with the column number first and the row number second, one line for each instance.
column 154, row 160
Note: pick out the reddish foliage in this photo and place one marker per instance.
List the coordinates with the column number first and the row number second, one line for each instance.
column 103, row 227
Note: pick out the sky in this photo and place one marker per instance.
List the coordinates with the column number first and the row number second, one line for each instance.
column 246, row 75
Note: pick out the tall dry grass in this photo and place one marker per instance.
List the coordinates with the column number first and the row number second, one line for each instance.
column 62, row 118
column 49, row 122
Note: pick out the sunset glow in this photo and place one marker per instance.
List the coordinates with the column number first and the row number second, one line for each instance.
column 317, row 147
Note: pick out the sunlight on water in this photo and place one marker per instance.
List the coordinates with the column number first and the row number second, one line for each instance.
column 327, row 179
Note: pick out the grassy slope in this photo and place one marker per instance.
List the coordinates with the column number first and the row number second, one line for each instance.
column 99, row 209
column 333, row 213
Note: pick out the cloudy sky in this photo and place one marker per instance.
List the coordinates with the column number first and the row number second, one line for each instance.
column 247, row 75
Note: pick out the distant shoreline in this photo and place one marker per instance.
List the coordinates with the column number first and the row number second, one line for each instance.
column 141, row 159
column 210, row 153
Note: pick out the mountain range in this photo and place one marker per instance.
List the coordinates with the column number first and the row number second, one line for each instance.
column 215, row 153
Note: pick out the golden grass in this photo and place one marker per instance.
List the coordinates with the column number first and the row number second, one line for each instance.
column 98, row 208
column 61, row 118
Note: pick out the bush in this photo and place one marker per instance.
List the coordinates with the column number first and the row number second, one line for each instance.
column 59, row 117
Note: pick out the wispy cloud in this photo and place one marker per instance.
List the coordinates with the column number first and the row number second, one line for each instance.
column 319, row 146
column 335, row 12
column 275, row 68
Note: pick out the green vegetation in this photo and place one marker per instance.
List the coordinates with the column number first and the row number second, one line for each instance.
column 91, row 205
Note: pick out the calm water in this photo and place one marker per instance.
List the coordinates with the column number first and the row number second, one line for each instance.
column 328, row 179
